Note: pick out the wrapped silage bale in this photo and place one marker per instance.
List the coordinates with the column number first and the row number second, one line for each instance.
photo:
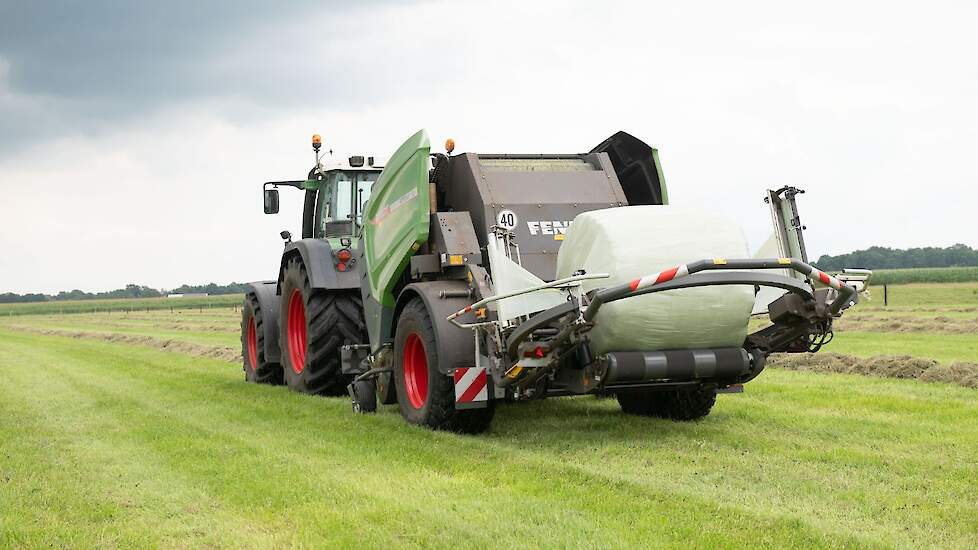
column 633, row 241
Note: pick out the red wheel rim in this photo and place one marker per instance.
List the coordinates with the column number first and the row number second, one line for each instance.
column 297, row 332
column 415, row 371
column 252, row 345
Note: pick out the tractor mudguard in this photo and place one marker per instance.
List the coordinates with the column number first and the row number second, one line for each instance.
column 267, row 296
column 456, row 346
column 317, row 256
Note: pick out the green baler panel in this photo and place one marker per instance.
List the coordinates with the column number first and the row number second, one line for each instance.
column 397, row 216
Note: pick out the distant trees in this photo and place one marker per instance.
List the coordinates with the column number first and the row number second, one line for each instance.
column 131, row 291
column 11, row 298
column 211, row 288
column 878, row 257
column 875, row 257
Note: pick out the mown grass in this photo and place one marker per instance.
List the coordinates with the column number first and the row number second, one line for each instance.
column 109, row 444
column 112, row 445
column 942, row 347
column 958, row 301
column 925, row 275
column 923, row 296
column 135, row 304
column 210, row 326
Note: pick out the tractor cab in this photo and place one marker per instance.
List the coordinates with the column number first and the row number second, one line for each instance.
column 335, row 195
column 340, row 202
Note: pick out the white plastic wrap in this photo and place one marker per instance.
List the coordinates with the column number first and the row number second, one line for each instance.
column 508, row 276
column 768, row 294
column 633, row 241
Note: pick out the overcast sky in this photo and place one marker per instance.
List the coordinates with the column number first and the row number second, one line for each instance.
column 134, row 136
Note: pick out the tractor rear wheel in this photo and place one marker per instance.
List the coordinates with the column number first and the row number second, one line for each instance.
column 679, row 404
column 425, row 395
column 313, row 325
column 256, row 367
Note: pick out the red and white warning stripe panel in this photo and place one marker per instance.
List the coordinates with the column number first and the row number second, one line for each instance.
column 826, row 279
column 461, row 312
column 471, row 387
column 661, row 277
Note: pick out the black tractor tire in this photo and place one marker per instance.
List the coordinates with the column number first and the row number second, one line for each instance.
column 313, row 325
column 678, row 404
column 256, row 367
column 364, row 396
column 433, row 407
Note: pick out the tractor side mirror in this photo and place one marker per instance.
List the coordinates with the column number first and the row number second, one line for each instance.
column 271, row 201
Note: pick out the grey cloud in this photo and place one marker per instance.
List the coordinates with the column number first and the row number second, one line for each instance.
column 82, row 65
column 150, row 50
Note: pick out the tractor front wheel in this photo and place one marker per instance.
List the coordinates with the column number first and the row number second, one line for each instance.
column 256, row 366
column 425, row 395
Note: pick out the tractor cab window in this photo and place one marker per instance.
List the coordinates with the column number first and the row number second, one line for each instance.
column 365, row 181
column 339, row 207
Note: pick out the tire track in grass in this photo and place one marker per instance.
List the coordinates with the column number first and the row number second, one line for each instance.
column 845, row 476
column 422, row 454
column 895, row 324
column 961, row 373
column 547, row 456
column 106, row 392
column 547, row 465
column 79, row 484
column 191, row 427
column 179, row 346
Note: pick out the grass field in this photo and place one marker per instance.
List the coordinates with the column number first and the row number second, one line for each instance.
column 925, row 275
column 125, row 443
column 135, row 304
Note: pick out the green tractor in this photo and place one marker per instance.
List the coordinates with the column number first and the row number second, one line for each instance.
column 315, row 301
column 449, row 283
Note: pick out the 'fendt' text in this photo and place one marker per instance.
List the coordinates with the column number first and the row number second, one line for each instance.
column 548, row 227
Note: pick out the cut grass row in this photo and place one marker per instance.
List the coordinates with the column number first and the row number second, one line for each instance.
column 956, row 303
column 941, row 347
column 923, row 297
column 123, row 446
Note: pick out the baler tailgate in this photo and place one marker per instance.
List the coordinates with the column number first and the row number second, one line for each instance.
column 397, row 216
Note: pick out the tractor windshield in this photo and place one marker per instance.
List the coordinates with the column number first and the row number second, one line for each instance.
column 339, row 206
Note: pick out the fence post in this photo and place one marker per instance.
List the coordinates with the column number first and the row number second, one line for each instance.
column 886, row 298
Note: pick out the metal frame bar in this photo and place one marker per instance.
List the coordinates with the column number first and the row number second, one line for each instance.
column 298, row 184
column 681, row 277
column 566, row 281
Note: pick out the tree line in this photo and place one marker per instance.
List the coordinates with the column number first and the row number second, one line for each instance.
column 130, row 291
column 875, row 257
column 879, row 257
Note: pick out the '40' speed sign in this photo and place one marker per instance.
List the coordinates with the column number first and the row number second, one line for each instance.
column 507, row 220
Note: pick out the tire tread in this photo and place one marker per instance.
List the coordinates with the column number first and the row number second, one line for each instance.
column 335, row 318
